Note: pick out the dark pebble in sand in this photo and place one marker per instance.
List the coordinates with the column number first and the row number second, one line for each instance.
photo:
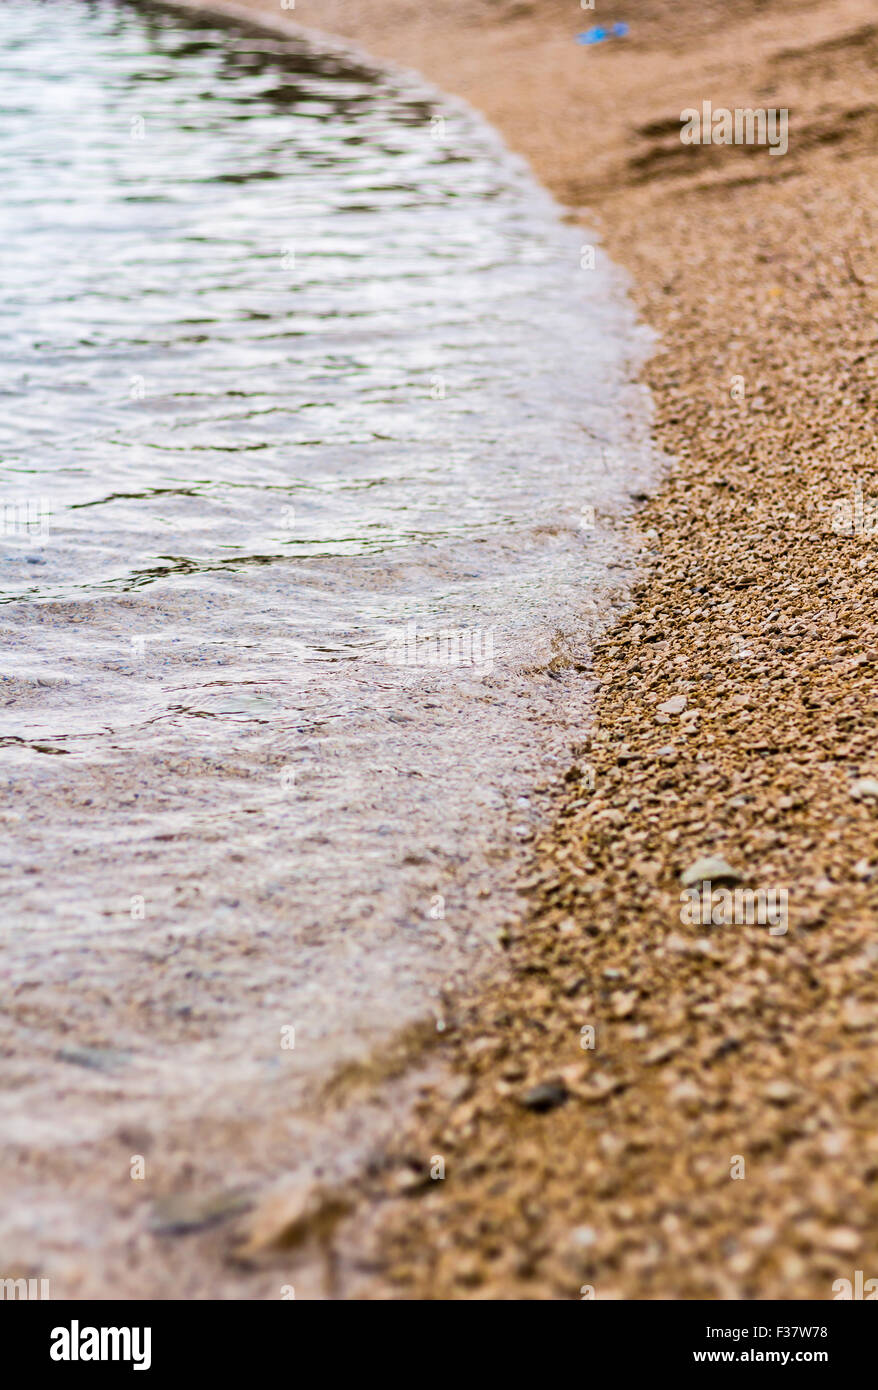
column 545, row 1096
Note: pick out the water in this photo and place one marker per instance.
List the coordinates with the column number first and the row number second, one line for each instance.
column 301, row 372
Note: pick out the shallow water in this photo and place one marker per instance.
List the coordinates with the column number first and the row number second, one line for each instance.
column 306, row 402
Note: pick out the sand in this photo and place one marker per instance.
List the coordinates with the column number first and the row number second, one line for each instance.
column 719, row 1139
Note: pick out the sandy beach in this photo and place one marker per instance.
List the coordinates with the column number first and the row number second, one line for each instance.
column 642, row 1100
column 719, row 1139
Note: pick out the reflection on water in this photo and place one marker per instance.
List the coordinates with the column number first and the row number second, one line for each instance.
column 298, row 361
column 264, row 307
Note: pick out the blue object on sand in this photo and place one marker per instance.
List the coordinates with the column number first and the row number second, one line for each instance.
column 597, row 33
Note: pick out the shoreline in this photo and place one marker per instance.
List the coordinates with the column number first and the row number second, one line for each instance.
column 220, row 960
column 719, row 1139
column 712, row 1047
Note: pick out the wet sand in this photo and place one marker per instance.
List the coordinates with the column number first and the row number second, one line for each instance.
column 251, row 836
column 715, row 1047
column 719, row 1140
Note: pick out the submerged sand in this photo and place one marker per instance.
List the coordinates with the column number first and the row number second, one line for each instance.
column 719, row 1140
